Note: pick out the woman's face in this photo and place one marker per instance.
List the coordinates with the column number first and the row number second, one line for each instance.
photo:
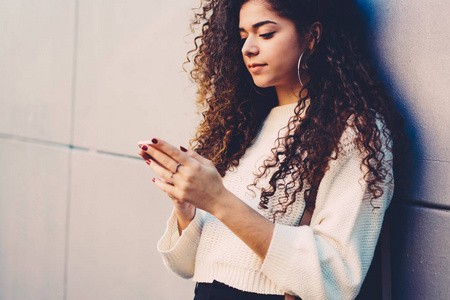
column 271, row 45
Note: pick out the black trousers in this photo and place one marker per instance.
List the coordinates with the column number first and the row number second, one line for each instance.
column 219, row 291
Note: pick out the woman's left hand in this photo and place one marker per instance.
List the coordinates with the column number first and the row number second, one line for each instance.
column 184, row 175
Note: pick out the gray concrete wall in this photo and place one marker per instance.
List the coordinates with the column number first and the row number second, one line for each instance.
column 82, row 81
column 411, row 42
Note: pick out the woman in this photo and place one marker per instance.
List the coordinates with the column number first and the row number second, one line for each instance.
column 294, row 121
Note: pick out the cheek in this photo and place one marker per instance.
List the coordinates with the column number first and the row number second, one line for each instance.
column 287, row 54
column 294, row 54
column 287, row 61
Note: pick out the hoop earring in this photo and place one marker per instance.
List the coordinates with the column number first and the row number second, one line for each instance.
column 299, row 66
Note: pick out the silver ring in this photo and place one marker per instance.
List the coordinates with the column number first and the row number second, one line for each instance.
column 176, row 169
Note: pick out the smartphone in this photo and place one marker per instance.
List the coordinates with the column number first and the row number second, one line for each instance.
column 140, row 143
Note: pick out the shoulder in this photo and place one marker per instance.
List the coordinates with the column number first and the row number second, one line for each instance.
column 376, row 138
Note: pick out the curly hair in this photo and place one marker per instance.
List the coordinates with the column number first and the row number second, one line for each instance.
column 342, row 85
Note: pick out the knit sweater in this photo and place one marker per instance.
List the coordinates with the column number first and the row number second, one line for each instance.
column 326, row 260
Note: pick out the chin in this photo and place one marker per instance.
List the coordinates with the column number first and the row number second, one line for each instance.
column 262, row 84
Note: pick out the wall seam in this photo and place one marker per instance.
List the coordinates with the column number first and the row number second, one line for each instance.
column 423, row 205
column 71, row 139
column 62, row 145
column 433, row 160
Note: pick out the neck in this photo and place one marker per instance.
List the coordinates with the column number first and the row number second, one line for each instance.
column 288, row 94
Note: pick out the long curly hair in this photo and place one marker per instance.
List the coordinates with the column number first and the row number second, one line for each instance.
column 342, row 85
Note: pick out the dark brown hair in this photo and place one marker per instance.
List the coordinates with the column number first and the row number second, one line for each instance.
column 343, row 85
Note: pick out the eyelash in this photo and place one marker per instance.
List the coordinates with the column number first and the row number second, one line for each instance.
column 265, row 36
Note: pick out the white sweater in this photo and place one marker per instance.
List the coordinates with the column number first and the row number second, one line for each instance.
column 326, row 260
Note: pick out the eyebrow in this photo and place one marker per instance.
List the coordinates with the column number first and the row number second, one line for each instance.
column 259, row 24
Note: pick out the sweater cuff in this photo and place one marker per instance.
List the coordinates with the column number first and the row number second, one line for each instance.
column 289, row 248
column 173, row 249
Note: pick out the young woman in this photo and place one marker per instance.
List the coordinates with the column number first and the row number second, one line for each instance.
column 295, row 121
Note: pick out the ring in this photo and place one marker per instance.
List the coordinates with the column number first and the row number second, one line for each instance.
column 170, row 183
column 176, row 170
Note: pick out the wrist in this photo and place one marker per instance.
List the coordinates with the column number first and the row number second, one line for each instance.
column 184, row 218
column 185, row 212
column 224, row 205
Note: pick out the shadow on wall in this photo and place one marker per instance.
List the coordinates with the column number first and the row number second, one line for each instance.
column 410, row 170
column 408, row 42
column 413, row 147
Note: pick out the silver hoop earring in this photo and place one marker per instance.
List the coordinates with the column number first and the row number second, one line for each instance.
column 299, row 68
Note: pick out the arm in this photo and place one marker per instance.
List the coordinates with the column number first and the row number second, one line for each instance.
column 245, row 222
column 330, row 258
column 198, row 184
column 179, row 253
column 177, row 249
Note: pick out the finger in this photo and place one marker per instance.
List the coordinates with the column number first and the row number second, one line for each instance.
column 162, row 158
column 197, row 157
column 149, row 159
column 144, row 155
column 162, row 172
column 165, row 187
column 173, row 152
column 144, row 147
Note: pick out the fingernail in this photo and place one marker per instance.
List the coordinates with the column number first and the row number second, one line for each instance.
column 144, row 147
column 154, row 141
column 148, row 162
column 183, row 149
column 154, row 179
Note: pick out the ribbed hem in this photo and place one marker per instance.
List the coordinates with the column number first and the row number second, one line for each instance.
column 245, row 280
column 185, row 248
column 285, row 255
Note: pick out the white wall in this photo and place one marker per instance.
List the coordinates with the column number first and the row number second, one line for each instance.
column 81, row 83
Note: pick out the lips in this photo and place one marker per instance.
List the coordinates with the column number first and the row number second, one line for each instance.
column 256, row 67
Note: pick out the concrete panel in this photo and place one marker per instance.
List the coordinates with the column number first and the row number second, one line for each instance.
column 130, row 83
column 411, row 40
column 420, row 245
column 36, row 59
column 33, row 208
column 117, row 216
column 430, row 184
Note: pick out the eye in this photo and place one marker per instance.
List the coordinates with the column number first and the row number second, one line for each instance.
column 267, row 35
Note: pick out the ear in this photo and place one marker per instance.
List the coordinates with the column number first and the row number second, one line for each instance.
column 316, row 34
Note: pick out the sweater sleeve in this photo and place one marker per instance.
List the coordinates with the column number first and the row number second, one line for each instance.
column 330, row 258
column 178, row 252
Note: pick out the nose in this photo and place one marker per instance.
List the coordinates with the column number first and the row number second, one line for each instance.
column 250, row 48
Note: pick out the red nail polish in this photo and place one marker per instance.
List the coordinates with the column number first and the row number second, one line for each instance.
column 154, row 179
column 183, row 149
column 144, row 147
column 148, row 162
column 154, row 141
